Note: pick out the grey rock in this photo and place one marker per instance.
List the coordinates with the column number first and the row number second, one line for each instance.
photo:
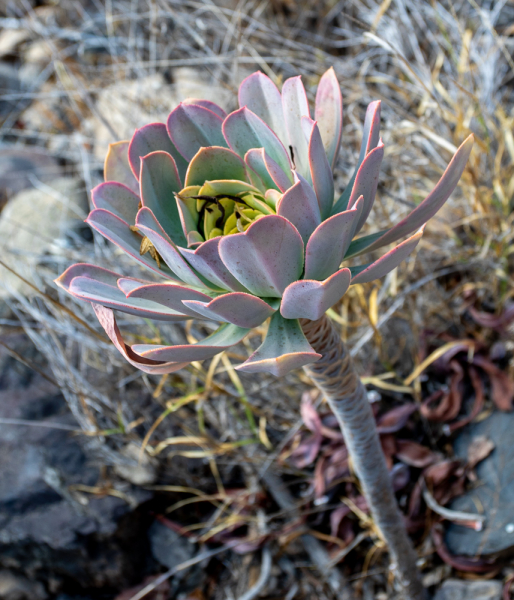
column 20, row 167
column 455, row 589
column 14, row 587
column 46, row 527
column 168, row 547
column 494, row 491
column 35, row 222
column 127, row 105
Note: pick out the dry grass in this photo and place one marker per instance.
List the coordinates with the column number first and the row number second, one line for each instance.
column 442, row 70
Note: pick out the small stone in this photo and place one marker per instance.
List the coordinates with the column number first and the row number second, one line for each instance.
column 435, row 576
column 34, row 222
column 192, row 83
column 168, row 547
column 20, row 167
column 139, row 469
column 493, row 491
column 14, row 587
column 10, row 39
column 455, row 589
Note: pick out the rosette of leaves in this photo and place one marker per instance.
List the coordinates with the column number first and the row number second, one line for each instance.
column 235, row 216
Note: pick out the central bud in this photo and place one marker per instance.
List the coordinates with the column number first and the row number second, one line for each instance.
column 222, row 207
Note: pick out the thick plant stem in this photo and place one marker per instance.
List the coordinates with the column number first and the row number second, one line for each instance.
column 335, row 376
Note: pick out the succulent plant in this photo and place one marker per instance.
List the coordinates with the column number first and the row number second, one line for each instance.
column 236, row 216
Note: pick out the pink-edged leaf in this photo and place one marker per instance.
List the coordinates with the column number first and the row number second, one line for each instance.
column 285, row 348
column 299, row 205
column 243, row 310
column 151, row 138
column 386, row 263
column 226, row 336
column 215, row 162
column 192, row 127
column 87, row 270
column 328, row 113
column 261, row 96
column 116, row 198
column 266, row 258
column 272, row 198
column 321, row 173
column 108, row 322
column 254, row 159
column 244, row 130
column 118, row 232
column 272, row 176
column 366, row 182
column 206, row 261
column 310, row 299
column 164, row 294
column 149, row 226
column 330, row 240
column 159, row 182
column 111, row 296
column 432, row 203
column 371, row 133
column 212, row 106
column 370, row 139
column 296, row 106
column 117, row 167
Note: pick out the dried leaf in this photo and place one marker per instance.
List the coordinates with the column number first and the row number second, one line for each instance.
column 414, row 454
column 462, row 563
column 502, row 385
column 478, row 404
column 450, row 403
column 498, row 322
column 395, row 419
column 479, row 449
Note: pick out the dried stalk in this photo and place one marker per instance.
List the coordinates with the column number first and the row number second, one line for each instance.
column 334, row 374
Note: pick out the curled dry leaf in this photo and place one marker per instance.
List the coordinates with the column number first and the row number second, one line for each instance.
column 462, row 563
column 395, row 419
column 415, row 455
column 479, row 449
column 502, row 386
column 498, row 322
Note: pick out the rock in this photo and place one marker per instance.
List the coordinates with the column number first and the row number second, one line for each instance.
column 455, row 589
column 128, row 105
column 14, row 587
column 168, row 547
column 10, row 39
column 36, row 221
column 20, row 167
column 139, row 470
column 192, row 83
column 494, row 491
column 47, row 528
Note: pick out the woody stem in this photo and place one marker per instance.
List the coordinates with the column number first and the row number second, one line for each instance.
column 335, row 376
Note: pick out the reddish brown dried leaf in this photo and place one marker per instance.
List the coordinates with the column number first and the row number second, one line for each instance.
column 478, row 404
column 502, row 385
column 450, row 403
column 462, row 563
column 498, row 322
column 478, row 450
column 414, row 454
column 396, row 419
